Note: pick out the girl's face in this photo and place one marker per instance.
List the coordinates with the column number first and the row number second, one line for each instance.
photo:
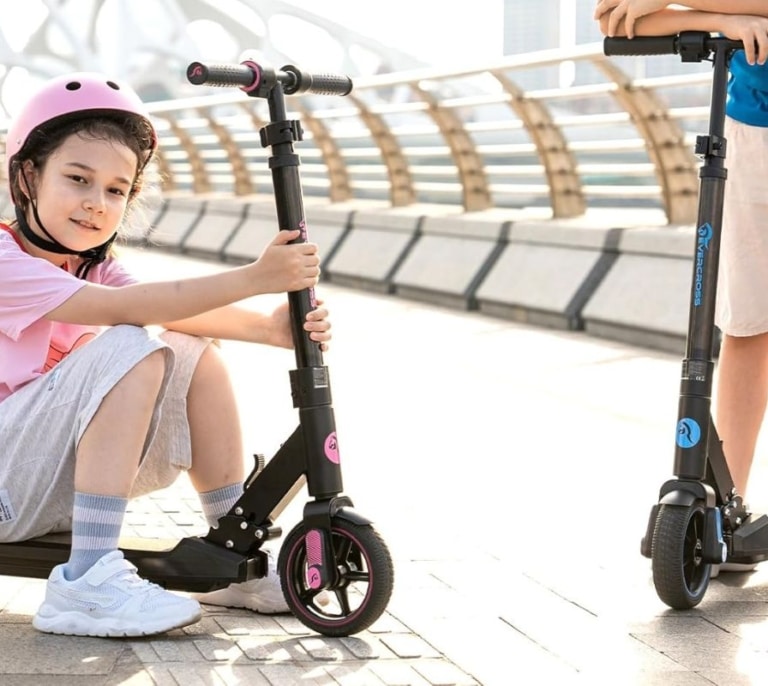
column 83, row 190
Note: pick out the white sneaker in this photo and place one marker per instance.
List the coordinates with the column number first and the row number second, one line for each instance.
column 110, row 599
column 733, row 567
column 263, row 595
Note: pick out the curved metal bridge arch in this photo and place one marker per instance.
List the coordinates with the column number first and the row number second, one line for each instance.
column 473, row 138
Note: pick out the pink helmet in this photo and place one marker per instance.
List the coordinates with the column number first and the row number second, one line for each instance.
column 80, row 93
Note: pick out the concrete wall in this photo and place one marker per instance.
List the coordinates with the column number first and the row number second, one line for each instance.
column 618, row 274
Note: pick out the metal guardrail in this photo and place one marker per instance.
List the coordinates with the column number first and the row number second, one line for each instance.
column 484, row 136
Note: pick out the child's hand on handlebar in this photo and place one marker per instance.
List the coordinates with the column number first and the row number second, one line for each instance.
column 282, row 267
column 629, row 11
column 752, row 31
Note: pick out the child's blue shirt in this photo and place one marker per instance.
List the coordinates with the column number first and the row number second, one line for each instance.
column 747, row 91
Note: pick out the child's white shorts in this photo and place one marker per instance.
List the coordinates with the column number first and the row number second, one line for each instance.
column 41, row 425
column 742, row 289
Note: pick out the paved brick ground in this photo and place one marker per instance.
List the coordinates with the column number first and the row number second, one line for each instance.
column 510, row 470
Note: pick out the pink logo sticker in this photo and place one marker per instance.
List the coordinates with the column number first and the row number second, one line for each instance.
column 314, row 578
column 332, row 448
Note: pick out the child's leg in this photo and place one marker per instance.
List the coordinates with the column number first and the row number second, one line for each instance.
column 199, row 428
column 103, row 408
column 110, row 448
column 200, row 432
column 217, row 469
column 107, row 459
column 742, row 394
column 742, row 300
column 214, row 425
column 46, row 425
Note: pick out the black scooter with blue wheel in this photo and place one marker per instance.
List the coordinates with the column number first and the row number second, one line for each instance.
column 699, row 520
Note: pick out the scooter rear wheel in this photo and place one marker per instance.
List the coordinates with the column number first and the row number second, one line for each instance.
column 680, row 575
column 364, row 586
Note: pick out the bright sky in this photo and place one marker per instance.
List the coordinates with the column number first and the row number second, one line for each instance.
column 442, row 34
column 456, row 34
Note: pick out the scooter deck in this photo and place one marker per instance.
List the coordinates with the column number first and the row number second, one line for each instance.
column 190, row 564
column 750, row 540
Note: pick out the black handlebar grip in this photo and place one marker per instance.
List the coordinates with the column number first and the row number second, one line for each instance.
column 642, row 45
column 221, row 75
column 321, row 84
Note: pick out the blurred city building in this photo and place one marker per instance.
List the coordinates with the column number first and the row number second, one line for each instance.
column 553, row 24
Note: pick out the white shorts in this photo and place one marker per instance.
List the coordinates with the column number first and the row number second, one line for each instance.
column 41, row 425
column 742, row 286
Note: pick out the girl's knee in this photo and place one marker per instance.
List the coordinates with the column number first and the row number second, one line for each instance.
column 196, row 357
column 145, row 378
column 211, row 365
column 125, row 333
column 153, row 365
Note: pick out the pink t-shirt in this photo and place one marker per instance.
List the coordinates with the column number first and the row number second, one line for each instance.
column 30, row 288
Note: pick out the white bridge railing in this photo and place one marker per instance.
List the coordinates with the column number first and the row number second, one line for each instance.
column 475, row 138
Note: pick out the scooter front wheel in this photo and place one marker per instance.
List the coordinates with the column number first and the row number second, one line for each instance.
column 680, row 575
column 365, row 578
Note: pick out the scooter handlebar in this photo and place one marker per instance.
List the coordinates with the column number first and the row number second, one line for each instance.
column 641, row 45
column 693, row 46
column 250, row 76
column 321, row 84
column 223, row 75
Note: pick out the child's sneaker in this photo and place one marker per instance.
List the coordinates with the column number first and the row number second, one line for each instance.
column 733, row 567
column 263, row 595
column 110, row 599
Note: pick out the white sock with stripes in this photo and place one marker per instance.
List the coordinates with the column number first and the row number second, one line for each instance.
column 217, row 503
column 96, row 524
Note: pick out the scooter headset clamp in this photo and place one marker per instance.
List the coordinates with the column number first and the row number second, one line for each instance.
column 77, row 95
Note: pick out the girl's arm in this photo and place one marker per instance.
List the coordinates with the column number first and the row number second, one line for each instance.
column 629, row 12
column 280, row 268
column 230, row 322
column 755, row 7
column 663, row 23
column 752, row 30
column 237, row 323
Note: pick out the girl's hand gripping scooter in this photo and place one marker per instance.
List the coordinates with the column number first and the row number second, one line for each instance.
column 700, row 520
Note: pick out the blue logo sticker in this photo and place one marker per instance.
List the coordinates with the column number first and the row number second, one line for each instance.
column 703, row 237
column 688, row 433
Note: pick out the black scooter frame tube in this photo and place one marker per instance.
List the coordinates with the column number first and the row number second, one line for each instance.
column 314, row 442
column 312, row 450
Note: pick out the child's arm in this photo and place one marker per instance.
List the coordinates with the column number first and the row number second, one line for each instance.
column 237, row 323
column 752, row 30
column 280, row 268
column 631, row 11
column 662, row 23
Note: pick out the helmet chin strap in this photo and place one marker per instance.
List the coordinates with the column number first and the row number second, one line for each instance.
column 91, row 257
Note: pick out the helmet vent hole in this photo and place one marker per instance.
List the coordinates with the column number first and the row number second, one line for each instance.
column 73, row 86
column 113, row 85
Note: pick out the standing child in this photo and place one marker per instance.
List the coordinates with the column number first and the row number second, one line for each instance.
column 742, row 307
column 95, row 410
